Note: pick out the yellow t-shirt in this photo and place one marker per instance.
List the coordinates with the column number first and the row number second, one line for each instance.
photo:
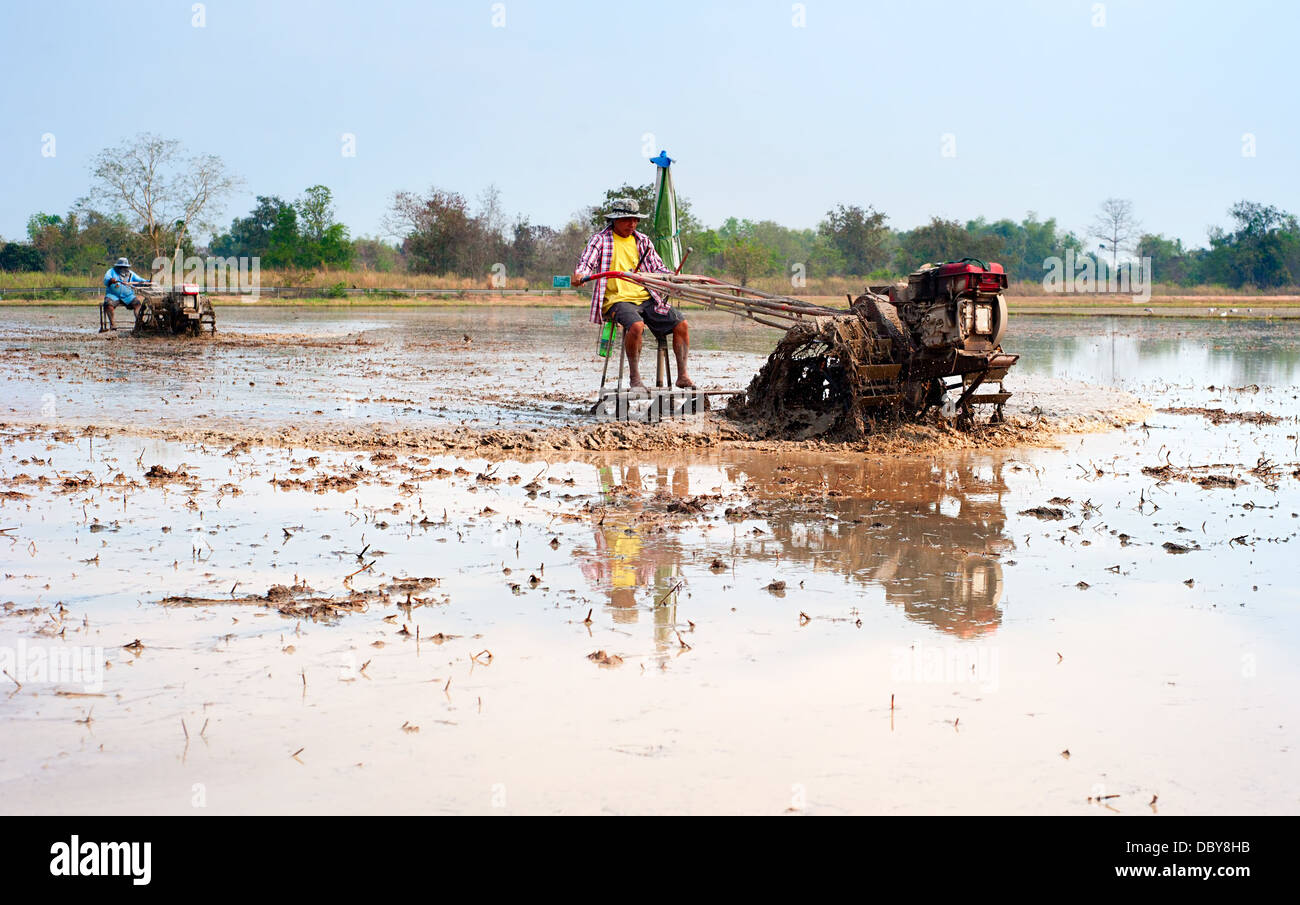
column 625, row 557
column 625, row 259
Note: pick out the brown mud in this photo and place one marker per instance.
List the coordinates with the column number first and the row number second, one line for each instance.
column 1265, row 471
column 300, row 601
column 1219, row 416
column 712, row 430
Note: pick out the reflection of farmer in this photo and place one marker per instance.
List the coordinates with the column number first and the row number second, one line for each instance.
column 620, row 246
column 619, row 563
column 117, row 288
column 624, row 561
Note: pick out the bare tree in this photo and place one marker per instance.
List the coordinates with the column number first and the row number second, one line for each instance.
column 168, row 193
column 436, row 231
column 1116, row 227
column 490, row 213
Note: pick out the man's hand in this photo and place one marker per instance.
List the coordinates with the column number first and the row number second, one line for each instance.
column 578, row 280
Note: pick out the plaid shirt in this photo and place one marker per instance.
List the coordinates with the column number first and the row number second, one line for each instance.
column 596, row 258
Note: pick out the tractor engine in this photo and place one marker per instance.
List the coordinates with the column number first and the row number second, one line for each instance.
column 954, row 306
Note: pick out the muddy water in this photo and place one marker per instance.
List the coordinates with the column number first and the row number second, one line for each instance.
column 1033, row 661
column 507, row 366
column 479, row 367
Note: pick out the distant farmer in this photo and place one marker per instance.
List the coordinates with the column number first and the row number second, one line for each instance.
column 620, row 246
column 117, row 288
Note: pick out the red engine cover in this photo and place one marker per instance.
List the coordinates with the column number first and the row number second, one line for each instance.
column 969, row 276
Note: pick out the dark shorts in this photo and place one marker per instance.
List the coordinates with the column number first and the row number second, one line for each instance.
column 112, row 302
column 626, row 314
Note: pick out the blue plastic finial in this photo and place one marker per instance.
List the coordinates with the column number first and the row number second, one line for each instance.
column 663, row 160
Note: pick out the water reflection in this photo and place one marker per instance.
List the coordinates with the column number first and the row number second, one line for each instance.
column 629, row 556
column 1123, row 351
column 927, row 534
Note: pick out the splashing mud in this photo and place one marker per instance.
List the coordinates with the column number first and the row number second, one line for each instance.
column 822, row 380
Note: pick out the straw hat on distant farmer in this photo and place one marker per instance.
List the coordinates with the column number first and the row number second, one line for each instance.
column 621, row 247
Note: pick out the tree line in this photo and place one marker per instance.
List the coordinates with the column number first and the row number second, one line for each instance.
column 148, row 199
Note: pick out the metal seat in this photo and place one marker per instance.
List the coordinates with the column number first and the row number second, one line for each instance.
column 621, row 395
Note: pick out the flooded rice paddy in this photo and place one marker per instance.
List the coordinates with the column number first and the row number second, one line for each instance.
column 219, row 622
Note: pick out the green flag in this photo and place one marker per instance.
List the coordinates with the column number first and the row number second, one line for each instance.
column 664, row 229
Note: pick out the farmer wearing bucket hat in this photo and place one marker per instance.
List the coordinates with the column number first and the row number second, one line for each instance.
column 117, row 288
column 621, row 246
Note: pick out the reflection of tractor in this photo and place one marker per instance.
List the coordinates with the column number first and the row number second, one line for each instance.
column 173, row 311
column 938, row 564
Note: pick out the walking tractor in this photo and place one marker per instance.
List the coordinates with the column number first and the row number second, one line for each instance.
column 932, row 341
column 174, row 311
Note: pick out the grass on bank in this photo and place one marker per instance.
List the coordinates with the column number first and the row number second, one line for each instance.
column 332, row 282
column 1081, row 305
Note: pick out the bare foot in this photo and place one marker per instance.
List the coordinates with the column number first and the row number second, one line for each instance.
column 636, row 383
column 685, row 383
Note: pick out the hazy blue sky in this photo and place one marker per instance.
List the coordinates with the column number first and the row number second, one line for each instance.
column 767, row 120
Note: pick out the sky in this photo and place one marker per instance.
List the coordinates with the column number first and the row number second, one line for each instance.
column 772, row 109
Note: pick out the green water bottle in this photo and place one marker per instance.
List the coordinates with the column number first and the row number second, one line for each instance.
column 606, row 338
